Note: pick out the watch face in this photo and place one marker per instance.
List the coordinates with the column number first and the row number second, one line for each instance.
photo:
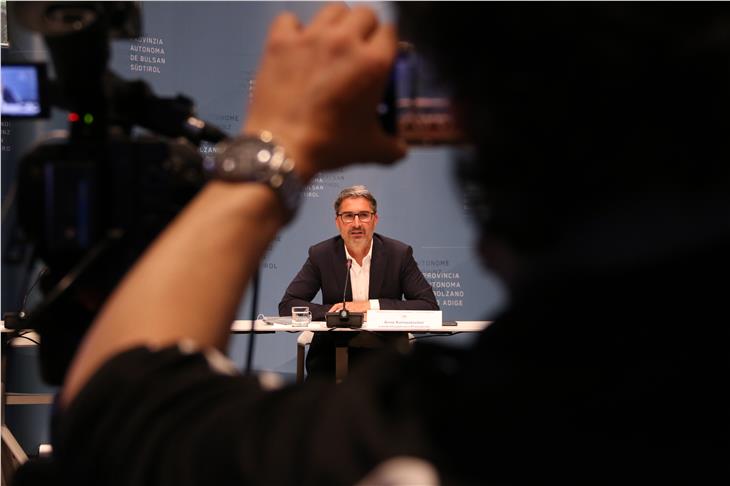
column 244, row 159
column 252, row 159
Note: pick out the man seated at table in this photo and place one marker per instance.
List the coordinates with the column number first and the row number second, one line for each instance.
column 383, row 275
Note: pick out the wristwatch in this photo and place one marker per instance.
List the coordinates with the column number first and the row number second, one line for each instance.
column 249, row 158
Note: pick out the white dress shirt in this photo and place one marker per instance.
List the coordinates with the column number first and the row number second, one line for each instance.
column 360, row 278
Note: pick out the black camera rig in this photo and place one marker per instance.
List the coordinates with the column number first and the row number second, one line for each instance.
column 91, row 200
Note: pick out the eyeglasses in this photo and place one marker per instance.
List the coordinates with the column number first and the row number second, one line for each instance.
column 363, row 216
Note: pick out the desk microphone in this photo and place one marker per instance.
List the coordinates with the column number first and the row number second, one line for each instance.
column 344, row 314
column 345, row 318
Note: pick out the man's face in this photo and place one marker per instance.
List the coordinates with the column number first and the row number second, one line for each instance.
column 357, row 234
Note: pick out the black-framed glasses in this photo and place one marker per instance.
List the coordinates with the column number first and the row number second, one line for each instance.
column 363, row 216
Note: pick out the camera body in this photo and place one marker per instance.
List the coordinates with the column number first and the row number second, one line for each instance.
column 72, row 195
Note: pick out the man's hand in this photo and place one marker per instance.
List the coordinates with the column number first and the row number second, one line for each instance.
column 357, row 306
column 319, row 86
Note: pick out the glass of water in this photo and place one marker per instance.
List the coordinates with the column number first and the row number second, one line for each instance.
column 300, row 316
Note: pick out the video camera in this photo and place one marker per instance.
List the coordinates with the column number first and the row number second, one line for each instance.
column 92, row 199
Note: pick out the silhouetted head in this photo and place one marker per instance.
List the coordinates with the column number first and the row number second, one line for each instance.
column 576, row 108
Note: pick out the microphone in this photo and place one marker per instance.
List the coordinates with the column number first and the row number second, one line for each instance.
column 344, row 314
column 345, row 318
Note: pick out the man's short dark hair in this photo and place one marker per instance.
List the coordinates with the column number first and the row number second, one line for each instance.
column 356, row 191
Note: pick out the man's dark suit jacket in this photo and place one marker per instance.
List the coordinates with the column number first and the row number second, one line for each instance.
column 395, row 281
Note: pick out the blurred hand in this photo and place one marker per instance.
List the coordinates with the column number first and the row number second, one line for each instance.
column 318, row 88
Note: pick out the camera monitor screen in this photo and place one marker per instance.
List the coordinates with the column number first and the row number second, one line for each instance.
column 24, row 91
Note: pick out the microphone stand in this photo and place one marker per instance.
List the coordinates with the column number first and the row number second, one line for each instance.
column 345, row 318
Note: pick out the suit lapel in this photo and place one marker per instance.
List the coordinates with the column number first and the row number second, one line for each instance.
column 378, row 264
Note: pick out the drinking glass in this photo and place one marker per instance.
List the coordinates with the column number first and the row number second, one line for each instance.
column 300, row 316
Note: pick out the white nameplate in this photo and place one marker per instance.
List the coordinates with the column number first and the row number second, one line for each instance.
column 403, row 319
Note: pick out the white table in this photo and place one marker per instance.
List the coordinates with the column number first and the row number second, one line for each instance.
column 244, row 326
column 282, row 324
